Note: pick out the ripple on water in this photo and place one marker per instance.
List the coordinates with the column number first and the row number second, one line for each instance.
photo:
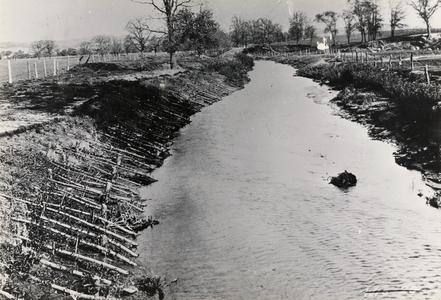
column 247, row 212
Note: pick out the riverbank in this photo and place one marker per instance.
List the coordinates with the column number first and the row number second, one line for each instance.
column 70, row 180
column 394, row 105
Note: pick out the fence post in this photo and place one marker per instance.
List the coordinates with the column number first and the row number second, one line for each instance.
column 44, row 67
column 411, row 62
column 426, row 74
column 55, row 66
column 36, row 70
column 29, row 69
column 68, row 63
column 9, row 71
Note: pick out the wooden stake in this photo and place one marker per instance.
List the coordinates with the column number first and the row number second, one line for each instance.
column 71, row 293
column 89, row 259
column 36, row 70
column 7, row 295
column 55, row 66
column 411, row 62
column 426, row 74
column 29, row 69
column 68, row 63
column 75, row 272
column 44, row 67
column 9, row 71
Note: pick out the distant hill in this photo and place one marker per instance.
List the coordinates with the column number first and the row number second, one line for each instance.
column 24, row 46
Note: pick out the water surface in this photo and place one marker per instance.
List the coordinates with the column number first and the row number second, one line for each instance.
column 246, row 210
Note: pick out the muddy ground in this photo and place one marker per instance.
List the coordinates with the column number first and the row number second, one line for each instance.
column 69, row 181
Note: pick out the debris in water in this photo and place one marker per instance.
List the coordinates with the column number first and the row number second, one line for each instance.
column 141, row 224
column 433, row 201
column 344, row 180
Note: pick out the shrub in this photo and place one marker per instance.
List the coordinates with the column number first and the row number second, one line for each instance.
column 235, row 70
column 413, row 95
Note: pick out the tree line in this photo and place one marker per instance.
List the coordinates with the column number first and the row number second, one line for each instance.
column 184, row 28
column 360, row 15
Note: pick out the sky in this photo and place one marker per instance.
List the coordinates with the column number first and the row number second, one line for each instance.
column 29, row 20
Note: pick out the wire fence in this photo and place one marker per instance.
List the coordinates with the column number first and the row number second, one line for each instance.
column 33, row 68
column 428, row 63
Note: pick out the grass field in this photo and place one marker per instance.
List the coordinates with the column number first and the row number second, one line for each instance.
column 19, row 67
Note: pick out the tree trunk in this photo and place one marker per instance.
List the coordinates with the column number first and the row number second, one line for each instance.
column 171, row 59
column 429, row 30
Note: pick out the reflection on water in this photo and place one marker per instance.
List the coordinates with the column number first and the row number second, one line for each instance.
column 246, row 210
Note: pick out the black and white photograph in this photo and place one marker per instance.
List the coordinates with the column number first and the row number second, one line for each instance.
column 220, row 149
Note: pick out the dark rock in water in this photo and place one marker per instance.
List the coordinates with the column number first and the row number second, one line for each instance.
column 344, row 180
column 433, row 201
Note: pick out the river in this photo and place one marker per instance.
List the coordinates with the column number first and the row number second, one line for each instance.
column 246, row 210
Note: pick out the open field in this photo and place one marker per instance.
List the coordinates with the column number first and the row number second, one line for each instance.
column 20, row 71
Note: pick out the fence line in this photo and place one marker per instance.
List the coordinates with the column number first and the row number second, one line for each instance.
column 13, row 70
column 395, row 61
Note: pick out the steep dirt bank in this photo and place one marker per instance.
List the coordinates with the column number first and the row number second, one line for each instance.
column 395, row 106
column 69, row 186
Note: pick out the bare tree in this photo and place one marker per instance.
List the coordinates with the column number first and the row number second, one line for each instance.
column 426, row 9
column 310, row 32
column 102, row 44
column 397, row 16
column 169, row 9
column 350, row 24
column 116, row 46
column 155, row 43
column 239, row 31
column 297, row 24
column 85, row 48
column 139, row 33
column 329, row 18
column 38, row 48
column 50, row 47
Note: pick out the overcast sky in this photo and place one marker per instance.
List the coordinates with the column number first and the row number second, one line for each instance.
column 28, row 20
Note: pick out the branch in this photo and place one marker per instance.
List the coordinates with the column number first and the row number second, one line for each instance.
column 150, row 2
column 184, row 3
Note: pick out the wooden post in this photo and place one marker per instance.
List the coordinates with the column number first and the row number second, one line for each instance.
column 381, row 61
column 411, row 62
column 44, row 67
column 9, row 71
column 29, row 69
column 426, row 74
column 76, row 244
column 55, row 66
column 390, row 60
column 68, row 63
column 36, row 70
